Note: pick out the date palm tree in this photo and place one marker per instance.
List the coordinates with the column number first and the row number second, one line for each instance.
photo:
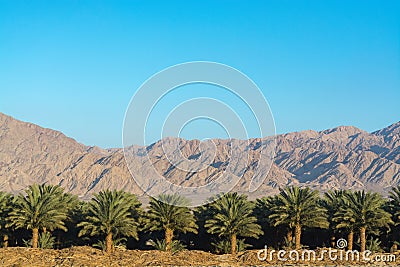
column 41, row 207
column 393, row 208
column 394, row 196
column 6, row 200
column 170, row 214
column 332, row 201
column 263, row 211
column 363, row 211
column 232, row 216
column 298, row 207
column 111, row 213
column 348, row 224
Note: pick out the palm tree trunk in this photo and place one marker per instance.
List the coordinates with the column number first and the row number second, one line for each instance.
column 297, row 234
column 333, row 238
column 109, row 243
column 350, row 238
column 233, row 244
column 35, row 237
column 44, row 230
column 169, row 234
column 289, row 236
column 5, row 241
column 363, row 239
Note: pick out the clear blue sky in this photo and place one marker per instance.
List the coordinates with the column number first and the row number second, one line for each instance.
column 74, row 65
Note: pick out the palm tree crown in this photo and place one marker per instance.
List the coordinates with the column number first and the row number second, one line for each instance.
column 232, row 216
column 394, row 196
column 298, row 207
column 332, row 201
column 171, row 214
column 364, row 211
column 111, row 213
column 5, row 208
column 42, row 207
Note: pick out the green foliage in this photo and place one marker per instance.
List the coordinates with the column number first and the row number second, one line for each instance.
column 42, row 206
column 117, row 242
column 263, row 209
column 394, row 204
column 175, row 246
column 296, row 205
column 332, row 201
column 363, row 209
column 5, row 207
column 113, row 212
column 47, row 208
column 224, row 246
column 374, row 245
column 46, row 241
column 288, row 244
column 6, row 204
column 232, row 214
column 170, row 211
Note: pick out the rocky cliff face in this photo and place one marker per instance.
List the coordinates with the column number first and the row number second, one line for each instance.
column 343, row 157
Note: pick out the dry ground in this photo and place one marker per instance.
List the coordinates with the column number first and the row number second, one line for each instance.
column 88, row 256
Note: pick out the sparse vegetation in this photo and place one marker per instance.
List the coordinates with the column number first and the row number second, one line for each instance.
column 225, row 246
column 46, row 240
column 173, row 247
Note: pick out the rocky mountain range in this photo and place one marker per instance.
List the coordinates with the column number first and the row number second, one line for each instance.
column 342, row 157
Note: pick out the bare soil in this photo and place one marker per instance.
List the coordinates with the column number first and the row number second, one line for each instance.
column 88, row 256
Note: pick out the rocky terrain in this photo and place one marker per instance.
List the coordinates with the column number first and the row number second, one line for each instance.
column 343, row 157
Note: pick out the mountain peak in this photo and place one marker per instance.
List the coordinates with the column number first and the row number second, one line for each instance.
column 322, row 160
column 393, row 129
column 347, row 130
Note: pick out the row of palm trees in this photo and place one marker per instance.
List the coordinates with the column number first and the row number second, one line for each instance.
column 114, row 214
column 338, row 210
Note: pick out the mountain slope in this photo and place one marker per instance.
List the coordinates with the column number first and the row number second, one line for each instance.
column 343, row 157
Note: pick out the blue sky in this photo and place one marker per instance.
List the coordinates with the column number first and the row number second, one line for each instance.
column 74, row 65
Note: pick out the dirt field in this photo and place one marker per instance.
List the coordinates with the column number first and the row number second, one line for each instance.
column 88, row 256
